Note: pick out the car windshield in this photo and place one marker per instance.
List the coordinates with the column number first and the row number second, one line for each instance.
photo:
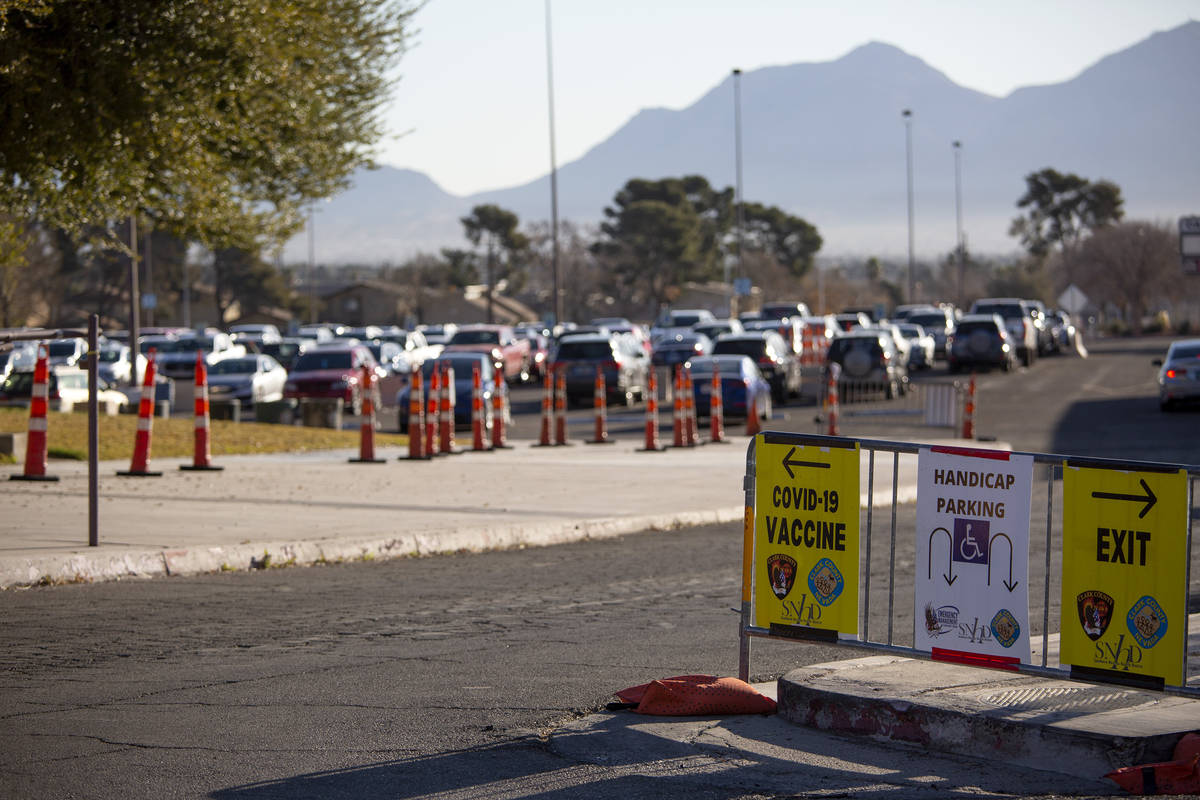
column 966, row 328
column 911, row 331
column 585, row 351
column 683, row 320
column 1006, row 310
column 334, row 359
column 1185, row 351
column 18, row 384
column 110, row 355
column 63, row 348
column 190, row 345
column 475, row 337
column 234, row 366
column 464, row 368
column 927, row 320
column 724, row 366
column 742, row 347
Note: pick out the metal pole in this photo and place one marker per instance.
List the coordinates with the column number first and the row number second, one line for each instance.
column 135, row 298
column 737, row 146
column 558, row 301
column 961, row 247
column 907, row 115
column 312, row 262
column 94, row 430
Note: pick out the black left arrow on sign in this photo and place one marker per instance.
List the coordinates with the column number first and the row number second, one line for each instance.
column 788, row 463
column 1148, row 498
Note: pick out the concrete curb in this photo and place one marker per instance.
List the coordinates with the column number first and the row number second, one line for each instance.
column 890, row 697
column 110, row 563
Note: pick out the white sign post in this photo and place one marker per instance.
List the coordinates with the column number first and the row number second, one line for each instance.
column 972, row 568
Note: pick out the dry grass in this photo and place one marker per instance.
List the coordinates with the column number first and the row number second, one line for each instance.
column 173, row 438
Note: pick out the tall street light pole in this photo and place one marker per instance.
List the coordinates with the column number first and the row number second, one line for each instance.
column 961, row 246
column 557, row 305
column 907, row 115
column 737, row 147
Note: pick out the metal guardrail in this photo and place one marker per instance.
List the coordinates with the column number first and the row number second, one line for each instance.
column 938, row 403
column 821, row 540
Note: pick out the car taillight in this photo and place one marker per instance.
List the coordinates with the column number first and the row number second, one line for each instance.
column 609, row 365
column 1171, row 373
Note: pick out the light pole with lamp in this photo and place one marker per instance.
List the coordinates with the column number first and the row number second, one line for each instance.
column 907, row 115
column 557, row 305
column 737, row 147
column 961, row 246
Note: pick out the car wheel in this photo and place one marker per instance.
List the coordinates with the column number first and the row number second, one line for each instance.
column 1027, row 357
column 1166, row 405
column 1006, row 365
column 767, row 410
column 892, row 390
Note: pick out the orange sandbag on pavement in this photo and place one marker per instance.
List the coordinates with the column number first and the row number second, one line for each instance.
column 696, row 695
column 139, row 467
column 202, row 456
column 1181, row 776
column 36, row 448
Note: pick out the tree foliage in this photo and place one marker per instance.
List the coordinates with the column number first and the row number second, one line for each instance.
column 1061, row 208
column 218, row 119
column 789, row 240
column 1134, row 266
column 505, row 247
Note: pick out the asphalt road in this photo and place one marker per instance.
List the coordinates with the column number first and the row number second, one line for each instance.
column 445, row 676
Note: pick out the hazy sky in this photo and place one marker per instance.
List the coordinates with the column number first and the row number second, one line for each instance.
column 471, row 109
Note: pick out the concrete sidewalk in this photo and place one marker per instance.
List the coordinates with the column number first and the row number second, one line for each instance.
column 303, row 509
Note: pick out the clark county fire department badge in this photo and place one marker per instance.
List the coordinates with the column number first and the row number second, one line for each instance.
column 1147, row 622
column 1095, row 612
column 825, row 581
column 781, row 572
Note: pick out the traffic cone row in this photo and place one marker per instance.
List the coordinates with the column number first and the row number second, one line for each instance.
column 202, row 455
column 600, row 404
column 36, row 447
column 968, row 429
column 684, row 432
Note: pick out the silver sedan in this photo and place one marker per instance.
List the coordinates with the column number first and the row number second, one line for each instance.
column 1179, row 374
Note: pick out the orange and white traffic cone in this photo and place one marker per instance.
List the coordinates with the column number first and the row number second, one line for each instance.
column 478, row 443
column 366, row 439
column 202, row 458
column 36, row 448
column 968, row 429
column 689, row 410
column 560, row 409
column 652, row 444
column 139, row 466
column 416, row 417
column 716, row 409
column 831, row 401
column 446, row 431
column 431, row 413
column 600, row 403
column 677, row 419
column 547, row 409
column 753, row 426
column 500, row 414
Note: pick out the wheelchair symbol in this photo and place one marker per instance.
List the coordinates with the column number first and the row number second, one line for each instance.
column 970, row 537
column 976, row 553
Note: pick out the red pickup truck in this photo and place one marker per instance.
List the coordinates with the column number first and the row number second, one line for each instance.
column 509, row 353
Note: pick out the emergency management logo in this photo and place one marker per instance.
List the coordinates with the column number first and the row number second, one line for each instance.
column 1147, row 622
column 825, row 581
column 942, row 619
column 1095, row 612
column 1005, row 628
column 781, row 572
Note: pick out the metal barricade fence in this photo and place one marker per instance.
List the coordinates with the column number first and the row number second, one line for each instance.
column 937, row 403
column 1117, row 546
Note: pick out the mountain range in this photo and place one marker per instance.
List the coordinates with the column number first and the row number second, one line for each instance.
column 826, row 141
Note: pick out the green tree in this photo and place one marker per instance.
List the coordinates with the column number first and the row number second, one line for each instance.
column 660, row 234
column 458, row 268
column 1061, row 209
column 244, row 278
column 504, row 247
column 1136, row 267
column 219, row 120
column 790, row 240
